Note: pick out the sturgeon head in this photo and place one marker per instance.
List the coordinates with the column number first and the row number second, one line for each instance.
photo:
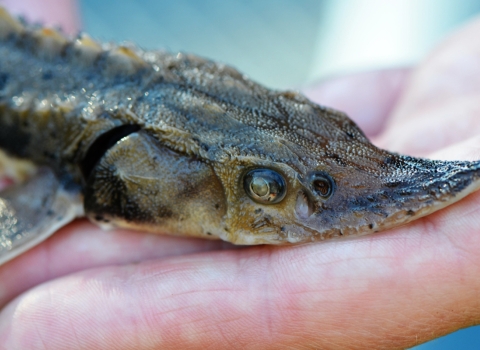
column 321, row 178
column 255, row 166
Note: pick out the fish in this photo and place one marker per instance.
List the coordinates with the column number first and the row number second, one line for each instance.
column 173, row 143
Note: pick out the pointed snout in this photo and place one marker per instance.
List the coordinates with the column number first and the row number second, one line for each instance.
column 365, row 203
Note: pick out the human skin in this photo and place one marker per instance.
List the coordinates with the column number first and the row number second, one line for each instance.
column 86, row 288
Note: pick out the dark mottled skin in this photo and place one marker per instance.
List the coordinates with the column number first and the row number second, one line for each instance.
column 202, row 126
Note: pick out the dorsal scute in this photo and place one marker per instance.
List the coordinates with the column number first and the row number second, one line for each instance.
column 85, row 50
column 123, row 60
column 49, row 42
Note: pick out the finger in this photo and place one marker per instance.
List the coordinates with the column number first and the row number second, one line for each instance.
column 82, row 245
column 62, row 13
column 264, row 298
column 433, row 127
column 440, row 104
column 451, row 71
column 468, row 149
column 367, row 98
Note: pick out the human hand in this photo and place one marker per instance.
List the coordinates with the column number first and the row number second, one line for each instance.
column 88, row 288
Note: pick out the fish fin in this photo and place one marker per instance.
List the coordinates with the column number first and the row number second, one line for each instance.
column 32, row 211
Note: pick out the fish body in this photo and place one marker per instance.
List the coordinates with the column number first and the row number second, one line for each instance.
column 174, row 143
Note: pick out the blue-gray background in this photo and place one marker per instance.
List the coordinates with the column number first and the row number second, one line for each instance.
column 290, row 43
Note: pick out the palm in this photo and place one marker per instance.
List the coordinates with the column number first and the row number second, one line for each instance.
column 86, row 287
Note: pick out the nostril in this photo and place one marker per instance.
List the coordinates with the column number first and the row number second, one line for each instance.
column 303, row 207
column 322, row 184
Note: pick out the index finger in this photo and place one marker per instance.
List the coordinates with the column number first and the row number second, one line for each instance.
column 367, row 97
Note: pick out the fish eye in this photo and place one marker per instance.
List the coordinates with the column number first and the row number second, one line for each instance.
column 264, row 186
column 322, row 184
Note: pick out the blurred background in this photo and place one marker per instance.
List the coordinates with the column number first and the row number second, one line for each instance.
column 287, row 43
column 284, row 43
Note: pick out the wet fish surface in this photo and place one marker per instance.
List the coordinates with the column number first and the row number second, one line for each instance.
column 178, row 144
